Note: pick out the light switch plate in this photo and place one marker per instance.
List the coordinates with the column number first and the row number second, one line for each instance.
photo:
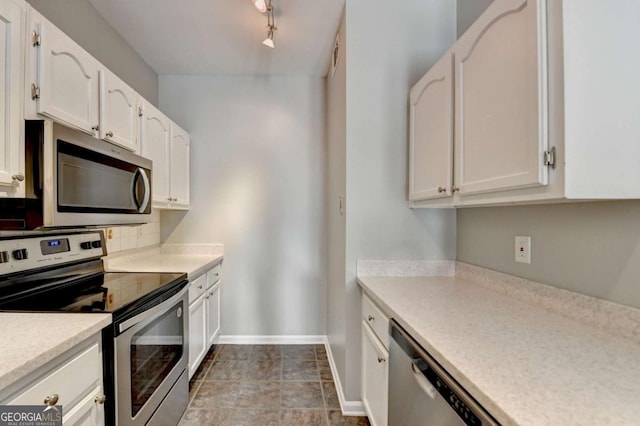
column 523, row 249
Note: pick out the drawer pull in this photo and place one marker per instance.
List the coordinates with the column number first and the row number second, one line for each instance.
column 100, row 399
column 51, row 400
column 371, row 318
column 381, row 360
column 200, row 287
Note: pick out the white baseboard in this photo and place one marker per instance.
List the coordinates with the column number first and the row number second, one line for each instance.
column 272, row 340
column 349, row 408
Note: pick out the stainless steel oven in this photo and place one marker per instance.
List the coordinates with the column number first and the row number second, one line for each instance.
column 75, row 180
column 151, row 364
column 145, row 349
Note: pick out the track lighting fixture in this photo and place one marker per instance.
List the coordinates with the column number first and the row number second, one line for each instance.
column 266, row 6
column 261, row 5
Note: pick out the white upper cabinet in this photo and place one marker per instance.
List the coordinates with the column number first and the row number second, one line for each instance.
column 12, row 25
column 67, row 86
column 167, row 145
column 500, row 101
column 545, row 108
column 155, row 131
column 180, row 160
column 118, row 112
column 431, row 133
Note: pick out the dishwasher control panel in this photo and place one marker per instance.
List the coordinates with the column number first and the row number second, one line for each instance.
column 465, row 413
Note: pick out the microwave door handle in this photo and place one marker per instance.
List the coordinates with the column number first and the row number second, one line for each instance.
column 147, row 190
column 140, row 173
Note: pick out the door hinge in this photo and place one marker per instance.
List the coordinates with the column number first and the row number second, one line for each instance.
column 35, row 39
column 35, row 92
column 139, row 111
column 549, row 157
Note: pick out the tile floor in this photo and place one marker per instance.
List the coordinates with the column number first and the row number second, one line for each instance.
column 265, row 385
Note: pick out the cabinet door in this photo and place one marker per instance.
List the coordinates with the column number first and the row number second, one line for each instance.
column 11, row 77
column 118, row 111
column 155, row 132
column 431, row 133
column 213, row 314
column 501, row 97
column 180, row 165
column 197, row 333
column 67, row 79
column 88, row 412
column 375, row 377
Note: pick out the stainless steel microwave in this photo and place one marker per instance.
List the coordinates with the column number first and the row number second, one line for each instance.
column 74, row 180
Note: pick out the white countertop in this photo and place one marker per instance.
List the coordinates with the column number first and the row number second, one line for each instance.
column 30, row 340
column 524, row 363
column 157, row 260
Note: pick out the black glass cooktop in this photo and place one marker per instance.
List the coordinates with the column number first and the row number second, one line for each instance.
column 76, row 291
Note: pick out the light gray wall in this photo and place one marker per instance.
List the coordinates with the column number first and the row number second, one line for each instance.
column 468, row 11
column 390, row 45
column 82, row 22
column 590, row 248
column 258, row 186
column 336, row 177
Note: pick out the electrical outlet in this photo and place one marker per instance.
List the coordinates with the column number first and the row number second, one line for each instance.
column 109, row 233
column 523, row 249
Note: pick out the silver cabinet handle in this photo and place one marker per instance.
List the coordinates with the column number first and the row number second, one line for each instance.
column 381, row 360
column 19, row 177
column 100, row 399
column 370, row 318
column 109, row 134
column 455, row 189
column 441, row 189
column 96, row 127
column 51, row 399
column 200, row 287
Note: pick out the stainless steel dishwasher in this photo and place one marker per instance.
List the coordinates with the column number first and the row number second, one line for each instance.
column 421, row 393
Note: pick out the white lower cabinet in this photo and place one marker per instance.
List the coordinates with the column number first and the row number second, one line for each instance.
column 59, row 381
column 197, row 333
column 204, row 316
column 375, row 364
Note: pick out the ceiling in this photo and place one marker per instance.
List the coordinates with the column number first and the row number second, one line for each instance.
column 225, row 36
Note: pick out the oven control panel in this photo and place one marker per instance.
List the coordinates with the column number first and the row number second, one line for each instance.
column 29, row 252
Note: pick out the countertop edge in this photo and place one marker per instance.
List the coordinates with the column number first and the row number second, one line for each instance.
column 32, row 364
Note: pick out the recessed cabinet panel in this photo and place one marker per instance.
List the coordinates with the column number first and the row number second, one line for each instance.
column 155, row 146
column 180, row 160
column 197, row 334
column 431, row 133
column 11, row 83
column 500, row 69
column 67, row 79
column 118, row 111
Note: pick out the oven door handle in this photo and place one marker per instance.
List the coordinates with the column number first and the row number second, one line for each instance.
column 150, row 313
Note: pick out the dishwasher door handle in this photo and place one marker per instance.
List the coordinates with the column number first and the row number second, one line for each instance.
column 422, row 381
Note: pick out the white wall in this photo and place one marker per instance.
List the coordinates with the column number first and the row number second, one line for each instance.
column 337, row 187
column 468, row 11
column 82, row 22
column 390, row 45
column 258, row 186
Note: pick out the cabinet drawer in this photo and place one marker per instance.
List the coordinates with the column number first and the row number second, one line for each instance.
column 66, row 381
column 214, row 275
column 378, row 321
column 197, row 287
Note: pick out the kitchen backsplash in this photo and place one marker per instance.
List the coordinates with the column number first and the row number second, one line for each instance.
column 120, row 238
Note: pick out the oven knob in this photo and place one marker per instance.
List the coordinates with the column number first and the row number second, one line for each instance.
column 96, row 244
column 85, row 245
column 20, row 254
column 4, row 256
